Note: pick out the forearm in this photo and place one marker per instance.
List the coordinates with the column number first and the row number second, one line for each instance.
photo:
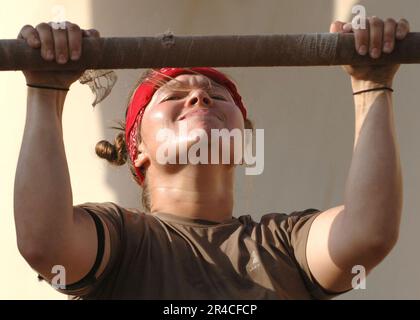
column 42, row 193
column 373, row 193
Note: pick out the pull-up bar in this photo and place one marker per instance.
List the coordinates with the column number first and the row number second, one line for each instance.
column 318, row 49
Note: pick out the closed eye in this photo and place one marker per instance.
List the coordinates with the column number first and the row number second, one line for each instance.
column 219, row 98
column 171, row 98
column 175, row 97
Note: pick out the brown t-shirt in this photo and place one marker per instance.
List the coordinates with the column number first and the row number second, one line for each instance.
column 164, row 256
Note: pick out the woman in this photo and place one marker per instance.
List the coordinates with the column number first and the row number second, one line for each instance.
column 187, row 245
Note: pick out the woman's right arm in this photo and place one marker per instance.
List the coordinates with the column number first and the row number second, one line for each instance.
column 50, row 230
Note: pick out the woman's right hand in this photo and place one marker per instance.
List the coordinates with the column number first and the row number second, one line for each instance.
column 59, row 45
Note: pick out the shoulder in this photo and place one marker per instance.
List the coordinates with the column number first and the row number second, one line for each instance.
column 281, row 229
column 121, row 222
column 110, row 210
column 279, row 218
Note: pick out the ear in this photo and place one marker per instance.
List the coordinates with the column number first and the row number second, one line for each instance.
column 142, row 157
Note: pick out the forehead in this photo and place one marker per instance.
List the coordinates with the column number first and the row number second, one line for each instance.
column 191, row 81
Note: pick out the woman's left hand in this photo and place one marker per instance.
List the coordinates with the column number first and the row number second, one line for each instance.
column 379, row 37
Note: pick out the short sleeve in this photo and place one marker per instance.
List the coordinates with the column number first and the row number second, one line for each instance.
column 110, row 215
column 296, row 231
column 291, row 233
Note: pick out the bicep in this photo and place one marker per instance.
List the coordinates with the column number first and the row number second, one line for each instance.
column 77, row 249
column 332, row 253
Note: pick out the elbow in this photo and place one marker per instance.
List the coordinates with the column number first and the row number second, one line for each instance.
column 387, row 242
column 33, row 254
column 380, row 246
column 384, row 237
column 378, row 234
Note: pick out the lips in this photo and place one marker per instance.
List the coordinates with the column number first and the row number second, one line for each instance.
column 200, row 112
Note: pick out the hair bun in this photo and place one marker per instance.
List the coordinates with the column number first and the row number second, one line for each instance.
column 116, row 153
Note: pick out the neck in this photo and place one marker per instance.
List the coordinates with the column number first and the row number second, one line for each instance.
column 196, row 191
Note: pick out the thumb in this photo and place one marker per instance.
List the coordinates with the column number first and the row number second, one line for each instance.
column 337, row 27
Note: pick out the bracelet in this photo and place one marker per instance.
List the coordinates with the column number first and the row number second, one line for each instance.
column 373, row 89
column 46, row 87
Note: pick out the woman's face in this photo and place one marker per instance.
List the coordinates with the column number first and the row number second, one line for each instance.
column 184, row 105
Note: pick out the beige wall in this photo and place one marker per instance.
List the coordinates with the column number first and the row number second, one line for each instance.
column 307, row 114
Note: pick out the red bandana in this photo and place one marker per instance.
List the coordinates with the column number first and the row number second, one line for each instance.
column 145, row 92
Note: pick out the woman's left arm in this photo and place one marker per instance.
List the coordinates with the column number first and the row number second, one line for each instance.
column 365, row 228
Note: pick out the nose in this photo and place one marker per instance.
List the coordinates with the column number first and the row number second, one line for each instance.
column 199, row 96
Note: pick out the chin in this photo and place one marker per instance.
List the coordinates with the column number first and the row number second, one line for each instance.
column 206, row 125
